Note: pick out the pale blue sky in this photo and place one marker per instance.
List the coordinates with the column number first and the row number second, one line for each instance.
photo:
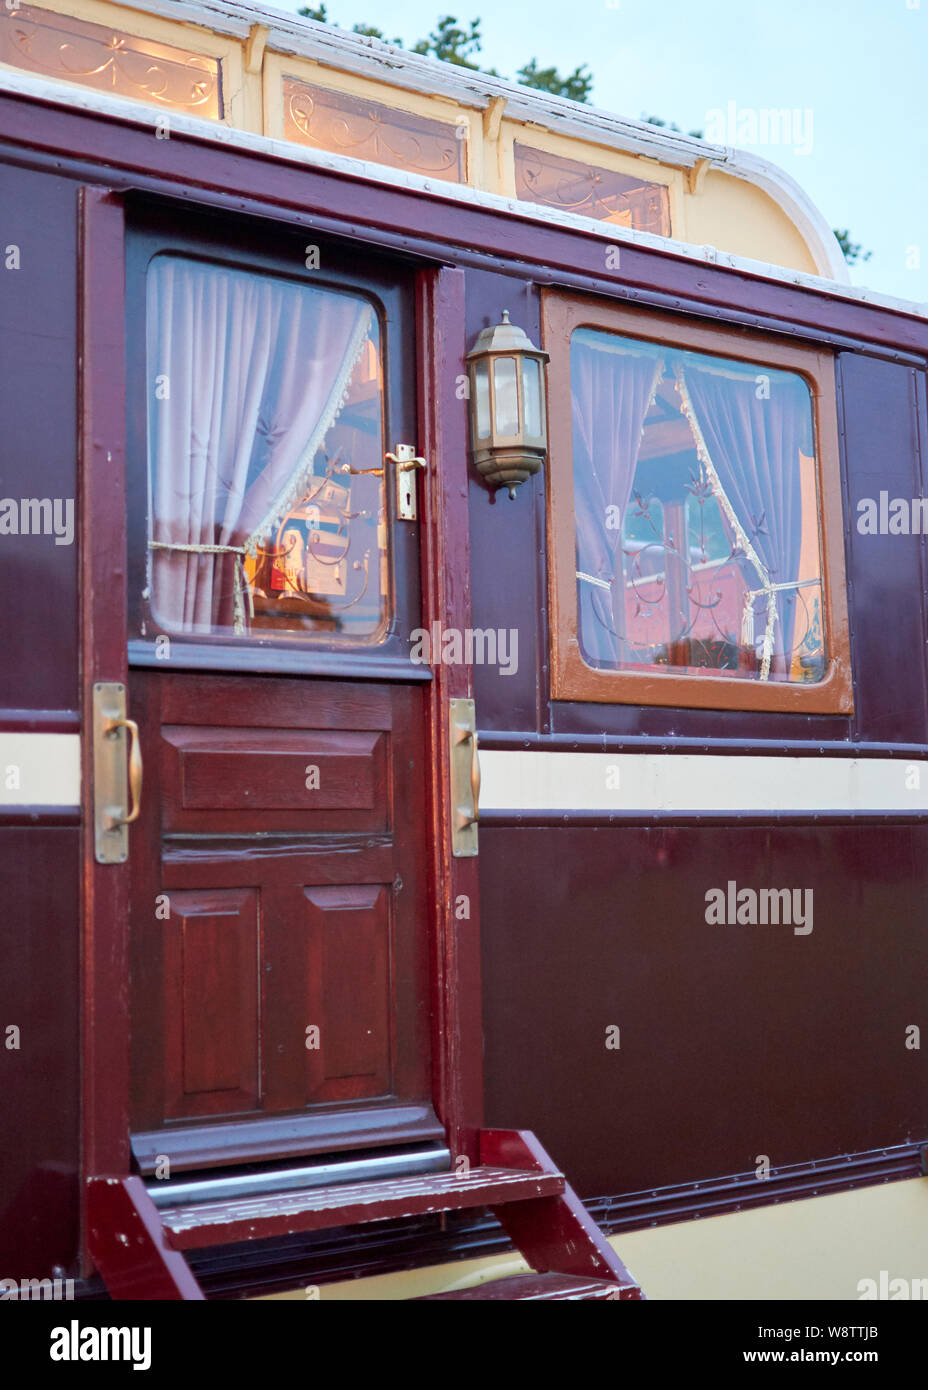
column 859, row 66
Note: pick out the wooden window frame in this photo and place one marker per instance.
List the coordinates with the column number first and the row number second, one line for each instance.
column 571, row 678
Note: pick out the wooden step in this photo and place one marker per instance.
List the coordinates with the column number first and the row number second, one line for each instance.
column 539, row 1288
column 195, row 1226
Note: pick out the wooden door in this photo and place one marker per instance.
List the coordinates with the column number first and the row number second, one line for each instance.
column 280, row 992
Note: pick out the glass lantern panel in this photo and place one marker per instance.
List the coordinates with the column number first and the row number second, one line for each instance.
column 531, row 396
column 482, row 398
column 507, row 396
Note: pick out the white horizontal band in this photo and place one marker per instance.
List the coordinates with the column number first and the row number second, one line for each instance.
column 40, row 769
column 529, row 780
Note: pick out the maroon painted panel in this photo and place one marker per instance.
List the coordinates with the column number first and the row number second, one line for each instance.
column 210, row 1000
column 886, row 572
column 734, row 1041
column 38, row 407
column 348, row 986
column 39, row 1078
column 507, row 544
column 230, row 779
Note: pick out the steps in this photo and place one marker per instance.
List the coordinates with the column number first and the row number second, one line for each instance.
column 195, row 1226
column 138, row 1248
column 534, row 1288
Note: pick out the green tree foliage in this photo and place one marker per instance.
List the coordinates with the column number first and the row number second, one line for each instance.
column 853, row 251
column 450, row 43
column 576, row 86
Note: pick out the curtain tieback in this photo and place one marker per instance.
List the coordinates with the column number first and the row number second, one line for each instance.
column 242, row 586
column 747, row 616
column 591, row 579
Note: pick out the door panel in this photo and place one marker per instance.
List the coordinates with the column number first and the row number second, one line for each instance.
column 234, row 776
column 278, row 968
column 348, row 933
column 211, row 1003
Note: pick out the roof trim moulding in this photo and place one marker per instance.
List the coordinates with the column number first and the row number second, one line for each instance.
column 139, row 115
column 384, row 62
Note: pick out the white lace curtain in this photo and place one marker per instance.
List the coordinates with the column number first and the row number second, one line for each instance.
column 247, row 374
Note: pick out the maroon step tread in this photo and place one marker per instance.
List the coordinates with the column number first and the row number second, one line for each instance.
column 538, row 1288
column 198, row 1225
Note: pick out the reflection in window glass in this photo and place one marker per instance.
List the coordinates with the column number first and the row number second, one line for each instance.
column 507, row 398
column 696, row 513
column 265, row 411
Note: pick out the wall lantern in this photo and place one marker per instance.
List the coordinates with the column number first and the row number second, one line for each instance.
column 507, row 405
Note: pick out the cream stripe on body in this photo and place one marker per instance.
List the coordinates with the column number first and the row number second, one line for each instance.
column 40, row 769
column 529, row 780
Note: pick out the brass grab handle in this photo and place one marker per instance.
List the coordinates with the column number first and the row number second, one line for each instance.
column 135, row 769
column 475, row 776
column 465, row 818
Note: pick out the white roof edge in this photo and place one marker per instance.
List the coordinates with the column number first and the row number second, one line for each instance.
column 368, row 57
column 214, row 133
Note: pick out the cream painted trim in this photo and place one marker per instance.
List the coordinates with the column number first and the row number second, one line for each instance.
column 815, row 1248
column 382, row 62
column 521, row 780
column 209, row 132
column 40, row 769
column 435, row 108
column 144, row 23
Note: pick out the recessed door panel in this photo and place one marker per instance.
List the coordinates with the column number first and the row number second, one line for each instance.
column 219, row 779
column 210, row 1001
column 348, row 979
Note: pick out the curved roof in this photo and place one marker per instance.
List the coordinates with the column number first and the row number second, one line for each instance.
column 384, row 62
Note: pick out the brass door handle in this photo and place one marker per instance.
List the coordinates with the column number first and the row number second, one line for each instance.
column 407, row 462
column 404, row 464
column 475, row 776
column 465, row 778
column 135, row 770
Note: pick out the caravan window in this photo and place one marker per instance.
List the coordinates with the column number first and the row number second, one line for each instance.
column 695, row 482
column 267, row 510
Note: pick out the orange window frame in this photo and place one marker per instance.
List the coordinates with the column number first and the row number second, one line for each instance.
column 571, row 678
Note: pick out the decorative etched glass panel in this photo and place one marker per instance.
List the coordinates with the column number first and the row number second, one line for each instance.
column 363, row 129
column 697, row 514
column 267, row 510
column 58, row 45
column 624, row 199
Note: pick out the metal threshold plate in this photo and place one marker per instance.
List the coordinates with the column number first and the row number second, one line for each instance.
column 213, row 1189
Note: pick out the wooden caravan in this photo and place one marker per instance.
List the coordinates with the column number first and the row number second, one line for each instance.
column 464, row 737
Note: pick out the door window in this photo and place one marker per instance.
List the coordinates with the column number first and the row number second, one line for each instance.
column 266, row 500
